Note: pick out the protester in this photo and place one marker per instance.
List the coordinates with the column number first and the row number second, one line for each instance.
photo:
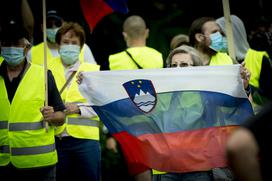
column 77, row 141
column 54, row 22
column 155, row 124
column 260, row 35
column 249, row 149
column 27, row 146
column 137, row 55
column 26, row 18
column 205, row 35
column 185, row 56
column 257, row 62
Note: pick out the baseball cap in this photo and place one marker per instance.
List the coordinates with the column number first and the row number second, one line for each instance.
column 53, row 14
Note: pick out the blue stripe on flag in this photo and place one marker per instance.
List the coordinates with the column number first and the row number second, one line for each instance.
column 175, row 111
column 118, row 5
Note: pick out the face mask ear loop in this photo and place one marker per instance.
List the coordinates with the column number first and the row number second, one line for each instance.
column 27, row 46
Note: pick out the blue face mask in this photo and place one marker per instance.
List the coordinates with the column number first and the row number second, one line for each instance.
column 51, row 34
column 218, row 42
column 13, row 55
column 69, row 53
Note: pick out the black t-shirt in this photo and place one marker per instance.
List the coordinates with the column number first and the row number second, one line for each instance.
column 54, row 98
column 261, row 127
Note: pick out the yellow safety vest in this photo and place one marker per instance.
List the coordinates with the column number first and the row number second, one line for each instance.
column 85, row 128
column 1, row 59
column 37, row 56
column 221, row 59
column 23, row 140
column 146, row 57
column 253, row 62
column 157, row 172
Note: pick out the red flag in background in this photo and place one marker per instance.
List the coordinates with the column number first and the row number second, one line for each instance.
column 95, row 10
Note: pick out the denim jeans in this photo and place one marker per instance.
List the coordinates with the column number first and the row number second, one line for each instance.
column 10, row 172
column 78, row 159
column 191, row 176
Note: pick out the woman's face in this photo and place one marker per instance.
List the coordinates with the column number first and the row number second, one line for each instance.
column 70, row 38
column 182, row 60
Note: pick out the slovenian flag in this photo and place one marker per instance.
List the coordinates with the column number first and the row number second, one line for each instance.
column 172, row 119
column 95, row 10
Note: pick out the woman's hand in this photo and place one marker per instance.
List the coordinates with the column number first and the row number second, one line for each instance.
column 245, row 74
column 79, row 77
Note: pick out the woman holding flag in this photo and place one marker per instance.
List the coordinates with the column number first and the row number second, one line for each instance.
column 77, row 141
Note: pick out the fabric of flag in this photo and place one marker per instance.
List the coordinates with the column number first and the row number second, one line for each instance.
column 95, row 10
column 172, row 119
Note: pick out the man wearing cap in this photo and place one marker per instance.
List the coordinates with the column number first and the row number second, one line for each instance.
column 27, row 146
column 54, row 22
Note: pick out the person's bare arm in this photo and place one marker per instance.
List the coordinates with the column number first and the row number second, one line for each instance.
column 242, row 155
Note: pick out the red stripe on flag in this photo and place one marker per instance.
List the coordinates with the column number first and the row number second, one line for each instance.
column 185, row 151
column 94, row 11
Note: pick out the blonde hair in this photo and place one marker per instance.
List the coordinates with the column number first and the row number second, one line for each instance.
column 185, row 49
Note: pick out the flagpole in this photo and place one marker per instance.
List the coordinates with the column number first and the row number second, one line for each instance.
column 45, row 59
column 229, row 31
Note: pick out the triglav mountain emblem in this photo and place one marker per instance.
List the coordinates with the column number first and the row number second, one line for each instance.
column 142, row 93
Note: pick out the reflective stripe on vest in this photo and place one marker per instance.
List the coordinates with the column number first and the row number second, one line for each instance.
column 3, row 124
column 4, row 149
column 83, row 122
column 25, row 126
column 33, row 150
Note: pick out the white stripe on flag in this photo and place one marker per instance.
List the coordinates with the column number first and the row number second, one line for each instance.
column 103, row 87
